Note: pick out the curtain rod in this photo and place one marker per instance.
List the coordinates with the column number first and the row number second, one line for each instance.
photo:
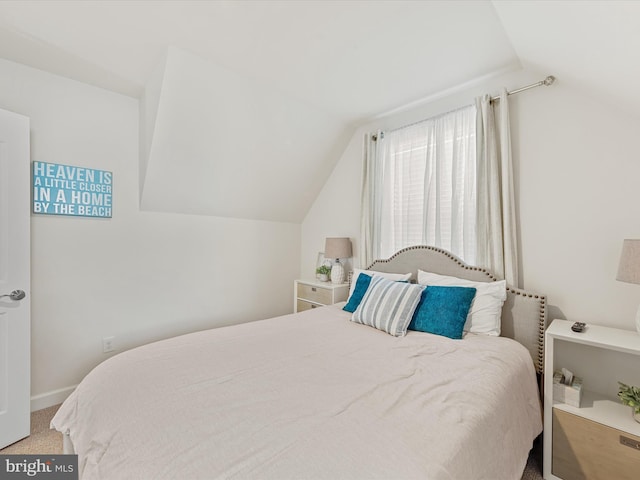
column 546, row 82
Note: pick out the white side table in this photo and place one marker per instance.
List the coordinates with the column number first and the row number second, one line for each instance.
column 600, row 439
column 310, row 294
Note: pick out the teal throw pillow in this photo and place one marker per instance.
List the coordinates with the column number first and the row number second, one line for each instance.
column 362, row 284
column 443, row 310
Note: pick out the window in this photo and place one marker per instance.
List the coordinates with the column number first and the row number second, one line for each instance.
column 427, row 186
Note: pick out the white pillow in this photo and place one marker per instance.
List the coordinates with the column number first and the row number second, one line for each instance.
column 373, row 273
column 485, row 314
column 388, row 305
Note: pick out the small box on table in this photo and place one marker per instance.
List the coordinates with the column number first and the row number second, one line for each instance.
column 569, row 394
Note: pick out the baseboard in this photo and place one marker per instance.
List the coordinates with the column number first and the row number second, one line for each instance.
column 49, row 399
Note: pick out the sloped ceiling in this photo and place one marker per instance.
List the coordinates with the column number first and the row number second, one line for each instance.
column 591, row 45
column 246, row 106
column 227, row 145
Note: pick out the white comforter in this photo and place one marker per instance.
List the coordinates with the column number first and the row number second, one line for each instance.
column 307, row 396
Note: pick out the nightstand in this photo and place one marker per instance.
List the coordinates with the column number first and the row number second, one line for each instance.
column 600, row 439
column 310, row 294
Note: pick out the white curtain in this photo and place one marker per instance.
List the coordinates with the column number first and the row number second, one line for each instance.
column 370, row 201
column 497, row 235
column 419, row 188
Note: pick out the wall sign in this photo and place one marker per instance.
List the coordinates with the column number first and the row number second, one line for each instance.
column 66, row 190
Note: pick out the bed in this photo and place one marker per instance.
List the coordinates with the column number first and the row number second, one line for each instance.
column 313, row 395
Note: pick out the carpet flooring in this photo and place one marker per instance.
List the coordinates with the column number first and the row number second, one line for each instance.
column 43, row 441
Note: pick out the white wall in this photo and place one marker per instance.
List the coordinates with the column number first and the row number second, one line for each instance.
column 217, row 140
column 139, row 276
column 576, row 166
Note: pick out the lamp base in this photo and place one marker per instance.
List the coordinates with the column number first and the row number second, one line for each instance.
column 337, row 273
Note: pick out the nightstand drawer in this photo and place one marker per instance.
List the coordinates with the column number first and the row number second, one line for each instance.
column 315, row 294
column 583, row 449
column 303, row 305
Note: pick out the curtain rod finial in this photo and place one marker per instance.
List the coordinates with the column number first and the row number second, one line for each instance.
column 549, row 80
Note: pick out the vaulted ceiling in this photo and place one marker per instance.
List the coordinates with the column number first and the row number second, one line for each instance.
column 247, row 105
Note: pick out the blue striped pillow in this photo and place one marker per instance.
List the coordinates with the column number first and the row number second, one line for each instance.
column 388, row 306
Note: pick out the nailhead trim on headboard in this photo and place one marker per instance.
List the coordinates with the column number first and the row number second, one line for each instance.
column 439, row 250
column 542, row 321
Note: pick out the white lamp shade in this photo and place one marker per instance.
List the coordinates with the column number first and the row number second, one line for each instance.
column 629, row 268
column 337, row 248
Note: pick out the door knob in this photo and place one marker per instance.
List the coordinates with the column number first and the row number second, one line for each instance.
column 15, row 295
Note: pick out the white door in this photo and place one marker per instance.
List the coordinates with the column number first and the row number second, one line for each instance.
column 15, row 246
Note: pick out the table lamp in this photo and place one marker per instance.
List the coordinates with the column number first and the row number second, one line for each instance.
column 337, row 248
column 629, row 268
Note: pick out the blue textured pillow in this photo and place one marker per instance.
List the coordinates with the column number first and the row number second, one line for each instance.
column 358, row 292
column 443, row 310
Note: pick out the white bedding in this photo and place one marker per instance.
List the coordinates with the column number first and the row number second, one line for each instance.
column 307, row 396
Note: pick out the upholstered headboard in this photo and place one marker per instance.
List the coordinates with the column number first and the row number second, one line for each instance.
column 524, row 314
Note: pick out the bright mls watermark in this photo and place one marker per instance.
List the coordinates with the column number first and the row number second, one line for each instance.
column 51, row 467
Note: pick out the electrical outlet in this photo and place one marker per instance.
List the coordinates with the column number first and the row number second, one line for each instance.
column 108, row 344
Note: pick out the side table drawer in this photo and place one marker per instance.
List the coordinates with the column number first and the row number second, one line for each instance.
column 315, row 294
column 303, row 305
column 583, row 449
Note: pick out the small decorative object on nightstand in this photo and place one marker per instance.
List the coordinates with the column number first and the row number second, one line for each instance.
column 630, row 396
column 337, row 248
column 629, row 268
column 567, row 389
column 310, row 294
column 323, row 272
